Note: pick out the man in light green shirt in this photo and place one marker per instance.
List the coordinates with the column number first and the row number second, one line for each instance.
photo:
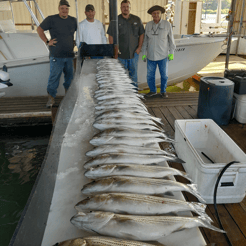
column 159, row 45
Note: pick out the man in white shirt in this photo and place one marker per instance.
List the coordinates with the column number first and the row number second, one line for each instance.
column 91, row 30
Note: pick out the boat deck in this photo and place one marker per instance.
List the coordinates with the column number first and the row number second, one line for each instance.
column 233, row 216
column 21, row 111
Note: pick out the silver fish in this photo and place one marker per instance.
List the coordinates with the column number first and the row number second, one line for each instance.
column 146, row 171
column 133, row 227
column 147, row 186
column 118, row 99
column 132, row 108
column 125, row 203
column 133, row 133
column 139, row 142
column 102, row 126
column 122, row 113
column 120, row 87
column 117, row 106
column 118, row 95
column 101, row 241
column 138, row 108
column 126, row 120
column 124, row 158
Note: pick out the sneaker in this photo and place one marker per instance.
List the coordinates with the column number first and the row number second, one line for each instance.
column 150, row 94
column 164, row 95
column 51, row 101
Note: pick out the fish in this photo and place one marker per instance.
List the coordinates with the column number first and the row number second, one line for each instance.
column 120, row 87
column 102, row 126
column 126, row 120
column 132, row 108
column 111, row 140
column 125, row 158
column 126, row 107
column 115, row 148
column 134, row 227
column 123, row 105
column 147, row 186
column 112, row 89
column 118, row 95
column 138, row 204
column 131, row 133
column 101, row 241
column 118, row 100
column 122, row 113
column 146, row 171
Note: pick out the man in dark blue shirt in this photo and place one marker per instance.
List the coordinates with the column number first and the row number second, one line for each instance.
column 62, row 28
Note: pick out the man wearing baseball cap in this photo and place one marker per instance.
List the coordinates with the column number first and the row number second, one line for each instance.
column 159, row 44
column 91, row 30
column 62, row 28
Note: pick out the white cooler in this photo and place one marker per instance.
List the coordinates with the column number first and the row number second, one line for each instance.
column 192, row 137
column 240, row 108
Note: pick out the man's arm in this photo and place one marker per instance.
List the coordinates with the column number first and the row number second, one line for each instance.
column 140, row 43
column 42, row 35
column 111, row 39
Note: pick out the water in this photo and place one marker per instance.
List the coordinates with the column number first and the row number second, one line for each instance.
column 22, row 151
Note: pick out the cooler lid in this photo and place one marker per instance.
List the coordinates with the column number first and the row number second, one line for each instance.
column 218, row 81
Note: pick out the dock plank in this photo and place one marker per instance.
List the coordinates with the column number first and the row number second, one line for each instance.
column 20, row 111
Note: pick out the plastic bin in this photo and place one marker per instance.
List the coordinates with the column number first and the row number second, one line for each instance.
column 240, row 108
column 215, row 99
column 239, row 79
column 192, row 137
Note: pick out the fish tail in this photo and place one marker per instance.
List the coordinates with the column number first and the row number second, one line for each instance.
column 185, row 175
column 199, row 208
column 207, row 223
column 193, row 190
column 167, row 139
column 158, row 120
column 176, row 159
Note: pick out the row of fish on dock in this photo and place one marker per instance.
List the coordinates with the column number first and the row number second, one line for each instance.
column 127, row 198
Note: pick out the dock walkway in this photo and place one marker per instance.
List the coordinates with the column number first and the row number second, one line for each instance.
column 233, row 216
column 22, row 111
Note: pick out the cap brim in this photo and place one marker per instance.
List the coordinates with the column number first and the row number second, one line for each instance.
column 155, row 8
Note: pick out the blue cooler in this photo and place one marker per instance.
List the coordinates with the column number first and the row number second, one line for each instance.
column 215, row 99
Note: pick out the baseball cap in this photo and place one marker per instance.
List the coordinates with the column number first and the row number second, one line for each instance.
column 64, row 2
column 89, row 7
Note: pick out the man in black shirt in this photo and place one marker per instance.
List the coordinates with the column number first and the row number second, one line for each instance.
column 131, row 35
column 62, row 28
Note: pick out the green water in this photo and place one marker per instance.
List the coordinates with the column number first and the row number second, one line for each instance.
column 22, row 151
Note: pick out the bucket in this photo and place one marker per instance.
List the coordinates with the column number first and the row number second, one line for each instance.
column 215, row 99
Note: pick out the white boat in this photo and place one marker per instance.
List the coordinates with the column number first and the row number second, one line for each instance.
column 27, row 59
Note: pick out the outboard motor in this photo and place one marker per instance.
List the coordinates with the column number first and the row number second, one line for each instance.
column 4, row 80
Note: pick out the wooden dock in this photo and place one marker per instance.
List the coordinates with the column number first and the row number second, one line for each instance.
column 31, row 111
column 232, row 216
column 25, row 111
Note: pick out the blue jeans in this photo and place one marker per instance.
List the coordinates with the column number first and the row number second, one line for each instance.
column 57, row 66
column 132, row 66
column 151, row 68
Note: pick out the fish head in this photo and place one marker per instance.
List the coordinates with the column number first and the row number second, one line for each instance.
column 97, row 186
column 102, row 170
column 91, row 221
